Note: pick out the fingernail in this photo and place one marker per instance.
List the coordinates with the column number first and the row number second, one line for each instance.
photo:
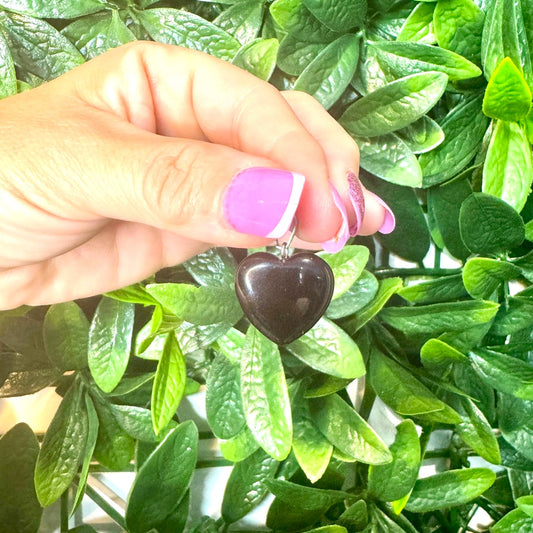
column 389, row 222
column 337, row 243
column 357, row 199
column 263, row 201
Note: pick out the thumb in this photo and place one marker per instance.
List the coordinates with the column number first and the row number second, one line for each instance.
column 203, row 191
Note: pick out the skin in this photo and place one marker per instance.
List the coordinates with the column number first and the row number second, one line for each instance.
column 118, row 169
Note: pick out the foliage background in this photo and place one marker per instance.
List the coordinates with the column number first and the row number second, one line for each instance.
column 438, row 97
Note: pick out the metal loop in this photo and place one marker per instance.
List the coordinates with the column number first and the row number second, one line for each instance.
column 286, row 245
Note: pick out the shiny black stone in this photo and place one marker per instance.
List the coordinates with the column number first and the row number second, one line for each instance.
column 284, row 298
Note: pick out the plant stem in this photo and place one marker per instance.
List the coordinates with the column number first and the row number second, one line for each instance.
column 104, row 505
column 64, row 512
column 405, row 272
column 368, row 401
column 424, row 439
column 436, row 260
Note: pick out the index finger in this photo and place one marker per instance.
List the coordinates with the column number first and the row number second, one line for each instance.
column 178, row 92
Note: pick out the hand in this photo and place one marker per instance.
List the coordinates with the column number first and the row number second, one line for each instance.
column 126, row 165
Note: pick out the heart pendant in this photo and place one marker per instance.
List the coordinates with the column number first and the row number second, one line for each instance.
column 284, row 297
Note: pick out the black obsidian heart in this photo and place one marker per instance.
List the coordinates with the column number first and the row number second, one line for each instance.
column 284, row 298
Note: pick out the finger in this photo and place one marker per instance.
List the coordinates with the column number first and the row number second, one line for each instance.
column 366, row 212
column 194, row 95
column 121, row 254
column 199, row 190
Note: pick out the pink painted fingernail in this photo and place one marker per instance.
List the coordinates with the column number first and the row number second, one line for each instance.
column 337, row 243
column 263, row 201
column 389, row 222
column 357, row 199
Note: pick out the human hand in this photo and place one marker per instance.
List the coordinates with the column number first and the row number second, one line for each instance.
column 123, row 166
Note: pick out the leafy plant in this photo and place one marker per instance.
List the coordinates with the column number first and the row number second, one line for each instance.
column 438, row 97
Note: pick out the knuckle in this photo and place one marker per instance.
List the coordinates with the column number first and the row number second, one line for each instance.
column 168, row 185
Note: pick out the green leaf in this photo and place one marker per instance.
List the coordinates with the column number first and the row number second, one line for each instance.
column 163, row 479
column 355, row 298
column 114, row 447
column 169, row 384
column 418, row 26
column 444, row 204
column 402, row 392
column 422, row 136
column 311, row 449
column 53, row 9
column 20, row 510
column 323, row 385
column 525, row 264
column 192, row 337
column 459, row 27
column 264, row 395
column 436, row 354
column 246, row 485
column 38, row 47
column 449, row 489
column 214, row 267
column 135, row 294
column 294, row 55
column 198, row 305
column 489, row 226
column 406, row 58
column 92, row 434
column 338, row 15
column 297, row 20
column 8, row 76
column 515, row 521
column 504, row 372
column 441, row 289
column 507, row 96
column 508, row 169
column 525, row 504
column 258, row 57
column 223, row 401
column 521, row 483
column 330, row 72
column 482, row 276
column 242, row 20
column 328, row 349
column 332, row 528
column 174, row 26
column 96, row 34
column 389, row 158
column 110, row 337
column 63, row 447
column 231, row 344
column 66, row 334
column 394, row 106
column 176, row 521
column 137, row 422
column 130, row 384
column 387, row 288
column 347, row 431
column 517, row 315
column 307, row 498
column 371, row 74
column 464, row 128
column 239, row 447
column 477, row 432
column 355, row 517
column 410, row 220
column 505, row 35
column 395, row 480
column 529, row 231
column 435, row 319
